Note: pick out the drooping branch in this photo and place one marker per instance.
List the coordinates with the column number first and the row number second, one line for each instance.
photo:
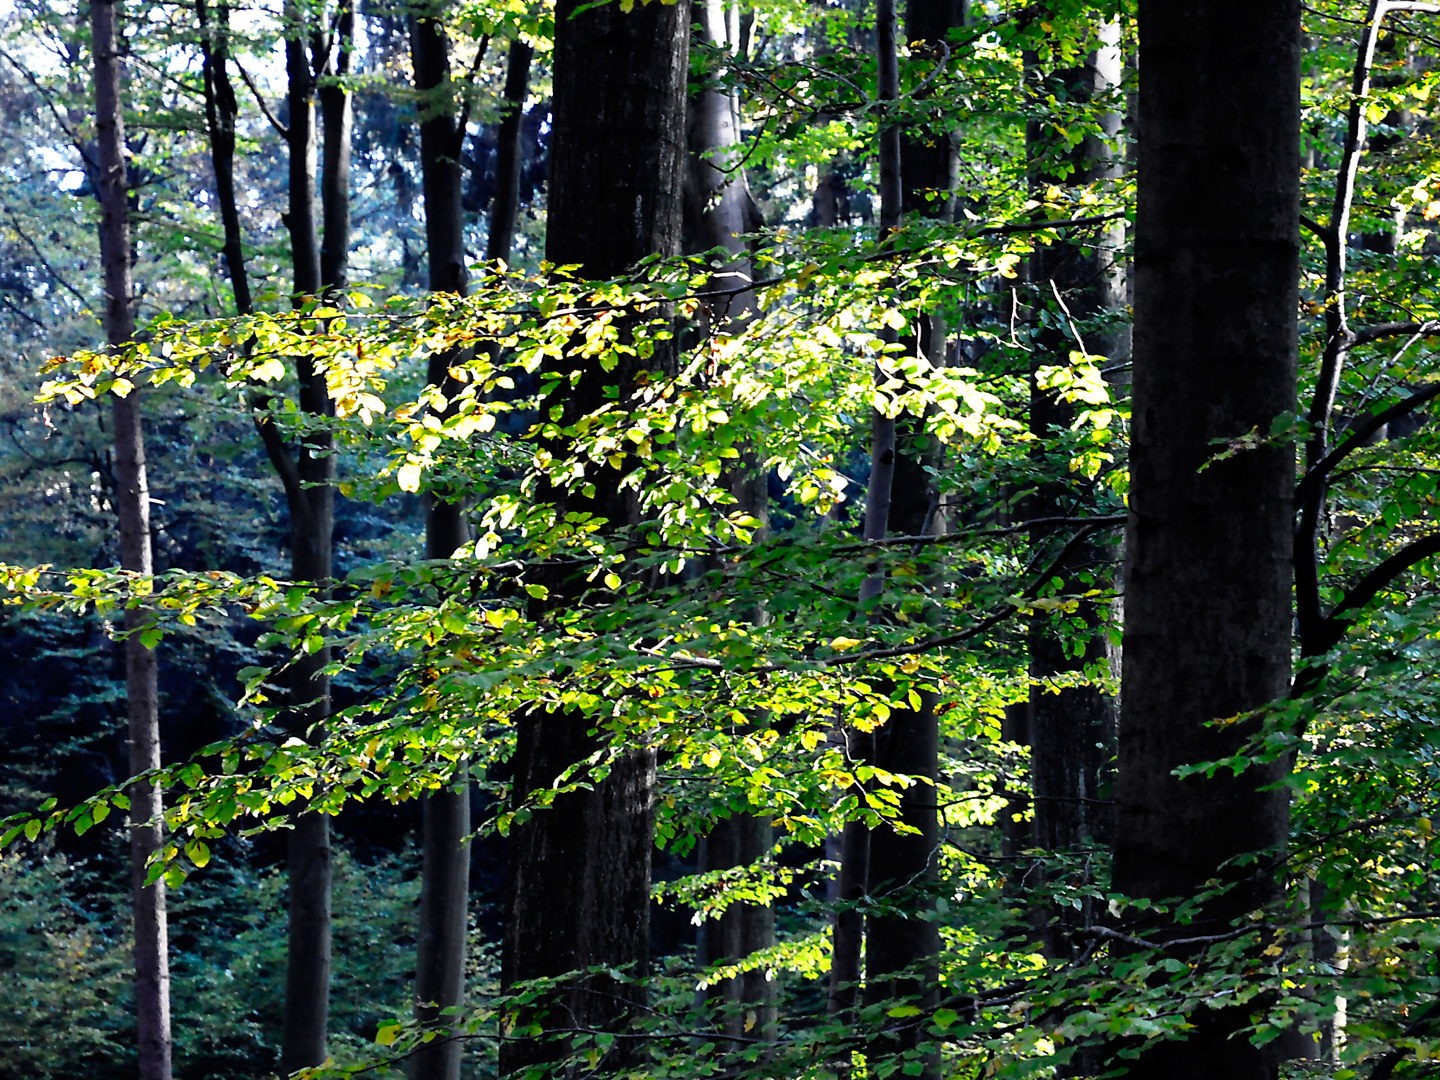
column 283, row 131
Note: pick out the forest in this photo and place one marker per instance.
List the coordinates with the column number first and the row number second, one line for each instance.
column 722, row 539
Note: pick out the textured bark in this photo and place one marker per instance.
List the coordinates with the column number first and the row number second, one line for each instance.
column 132, row 504
column 221, row 109
column 749, row 998
column 506, row 206
column 1207, row 591
column 440, row 950
column 579, row 874
column 1073, row 731
column 308, row 474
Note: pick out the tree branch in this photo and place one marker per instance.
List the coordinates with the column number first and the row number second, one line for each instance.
column 260, row 100
column 1382, row 331
column 1359, row 434
column 280, row 456
column 1370, row 586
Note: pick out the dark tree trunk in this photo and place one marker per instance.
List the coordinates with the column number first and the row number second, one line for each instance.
column 300, row 218
column 221, row 109
column 132, row 504
column 337, row 113
column 506, row 206
column 579, row 875
column 1208, row 554
column 900, row 947
column 855, row 839
column 1072, row 731
column 440, row 952
column 308, row 475
column 927, row 159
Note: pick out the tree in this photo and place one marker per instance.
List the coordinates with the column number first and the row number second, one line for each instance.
column 142, row 695
column 579, row 874
column 1071, row 730
column 1207, row 581
column 444, row 916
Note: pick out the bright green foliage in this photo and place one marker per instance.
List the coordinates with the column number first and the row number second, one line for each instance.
column 660, row 642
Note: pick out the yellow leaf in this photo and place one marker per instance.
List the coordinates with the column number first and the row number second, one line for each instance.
column 844, row 644
column 408, row 477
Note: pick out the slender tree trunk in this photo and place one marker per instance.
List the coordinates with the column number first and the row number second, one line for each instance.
column 337, row 112
column 718, row 202
column 1208, row 554
column 845, row 964
column 900, row 947
column 221, row 109
column 1072, row 731
column 132, row 503
column 300, row 219
column 579, row 874
column 506, row 206
column 440, row 955
column 718, row 184
column 308, row 475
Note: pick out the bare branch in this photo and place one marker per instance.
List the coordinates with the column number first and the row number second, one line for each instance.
column 260, row 100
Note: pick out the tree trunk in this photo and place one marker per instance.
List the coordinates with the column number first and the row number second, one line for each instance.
column 221, row 109
column 440, row 953
column 337, row 112
column 300, row 219
column 1208, row 554
column 506, row 205
column 903, row 869
column 1073, row 731
column 718, row 209
column 855, row 840
column 308, row 475
column 132, row 504
column 718, row 186
column 579, row 874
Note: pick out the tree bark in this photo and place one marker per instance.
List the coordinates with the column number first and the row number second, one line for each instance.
column 506, row 206
column 300, row 219
column 579, row 873
column 308, row 475
column 855, row 839
column 221, row 108
column 132, row 504
column 440, row 953
column 1072, row 731
column 718, row 204
column 901, row 943
column 717, row 182
column 1208, row 554
column 333, row 55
